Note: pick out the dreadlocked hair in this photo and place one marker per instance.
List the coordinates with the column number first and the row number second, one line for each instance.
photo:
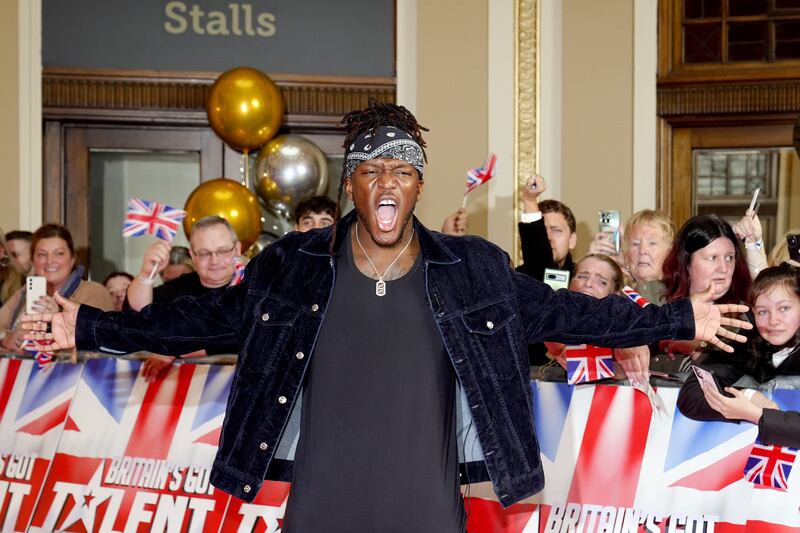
column 378, row 114
column 369, row 119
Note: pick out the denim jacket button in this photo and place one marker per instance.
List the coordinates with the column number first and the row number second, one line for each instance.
column 299, row 355
column 263, row 446
column 315, row 308
column 490, row 324
column 246, row 488
column 265, row 317
column 281, row 399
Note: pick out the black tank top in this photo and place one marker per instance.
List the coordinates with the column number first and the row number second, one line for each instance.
column 377, row 449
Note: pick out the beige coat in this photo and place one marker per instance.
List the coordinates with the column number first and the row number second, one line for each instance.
column 88, row 292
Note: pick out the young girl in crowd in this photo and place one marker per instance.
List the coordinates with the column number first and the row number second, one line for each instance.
column 775, row 351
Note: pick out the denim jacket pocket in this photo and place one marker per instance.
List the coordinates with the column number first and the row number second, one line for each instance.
column 491, row 338
column 273, row 320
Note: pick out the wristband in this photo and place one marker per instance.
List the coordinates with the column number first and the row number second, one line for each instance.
column 759, row 244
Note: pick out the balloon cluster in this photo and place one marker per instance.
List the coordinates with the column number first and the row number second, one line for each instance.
column 245, row 109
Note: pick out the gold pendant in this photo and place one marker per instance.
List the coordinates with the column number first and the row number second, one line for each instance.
column 380, row 287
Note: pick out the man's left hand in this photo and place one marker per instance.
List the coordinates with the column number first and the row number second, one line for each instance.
column 709, row 320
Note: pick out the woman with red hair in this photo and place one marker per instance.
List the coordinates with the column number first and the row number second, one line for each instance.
column 705, row 253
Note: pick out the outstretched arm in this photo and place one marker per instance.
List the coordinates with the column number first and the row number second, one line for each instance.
column 614, row 321
column 213, row 321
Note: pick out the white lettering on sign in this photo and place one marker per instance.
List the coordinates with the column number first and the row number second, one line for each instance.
column 573, row 517
column 89, row 503
column 17, row 466
column 239, row 20
column 14, row 493
column 254, row 515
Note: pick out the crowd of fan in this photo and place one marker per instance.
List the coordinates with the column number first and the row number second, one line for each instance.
column 651, row 258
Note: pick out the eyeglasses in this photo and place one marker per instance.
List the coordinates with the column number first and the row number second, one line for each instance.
column 205, row 255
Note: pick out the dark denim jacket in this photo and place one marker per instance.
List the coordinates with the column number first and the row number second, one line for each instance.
column 486, row 313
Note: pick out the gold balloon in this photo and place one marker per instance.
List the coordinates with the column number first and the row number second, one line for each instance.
column 245, row 108
column 230, row 200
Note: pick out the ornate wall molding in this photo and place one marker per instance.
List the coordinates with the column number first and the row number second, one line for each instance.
column 730, row 98
column 526, row 100
column 122, row 95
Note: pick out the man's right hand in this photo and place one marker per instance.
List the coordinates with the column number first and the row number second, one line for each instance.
column 59, row 328
column 156, row 256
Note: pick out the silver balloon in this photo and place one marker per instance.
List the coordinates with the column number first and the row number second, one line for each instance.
column 288, row 170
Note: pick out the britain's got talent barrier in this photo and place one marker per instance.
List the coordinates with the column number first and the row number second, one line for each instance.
column 94, row 447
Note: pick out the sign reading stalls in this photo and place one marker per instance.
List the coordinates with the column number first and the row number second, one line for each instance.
column 312, row 37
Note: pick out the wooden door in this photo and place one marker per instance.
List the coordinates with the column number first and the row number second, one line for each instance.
column 69, row 153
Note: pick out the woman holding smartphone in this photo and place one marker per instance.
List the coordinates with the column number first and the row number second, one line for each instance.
column 53, row 260
column 774, row 351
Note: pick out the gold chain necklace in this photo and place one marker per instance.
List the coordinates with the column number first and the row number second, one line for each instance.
column 380, row 285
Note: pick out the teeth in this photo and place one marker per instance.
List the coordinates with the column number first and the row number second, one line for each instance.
column 387, row 201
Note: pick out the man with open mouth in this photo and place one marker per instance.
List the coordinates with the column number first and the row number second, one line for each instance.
column 381, row 365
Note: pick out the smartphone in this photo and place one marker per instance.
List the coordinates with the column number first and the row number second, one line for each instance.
column 705, row 377
column 609, row 223
column 793, row 244
column 557, row 279
column 35, row 287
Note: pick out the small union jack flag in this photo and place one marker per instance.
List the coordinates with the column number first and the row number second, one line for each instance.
column 770, row 466
column 39, row 351
column 152, row 218
column 586, row 363
column 479, row 176
column 238, row 271
column 637, row 298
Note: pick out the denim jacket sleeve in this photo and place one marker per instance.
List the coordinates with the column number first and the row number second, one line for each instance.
column 574, row 318
column 213, row 322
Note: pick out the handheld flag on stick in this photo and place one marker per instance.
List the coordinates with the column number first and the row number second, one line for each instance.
column 238, row 271
column 152, row 218
column 635, row 297
column 587, row 363
column 480, row 175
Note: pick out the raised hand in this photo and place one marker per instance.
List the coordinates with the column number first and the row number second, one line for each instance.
column 59, row 328
column 749, row 227
column 531, row 191
column 603, row 243
column 710, row 323
column 456, row 223
column 45, row 304
column 155, row 257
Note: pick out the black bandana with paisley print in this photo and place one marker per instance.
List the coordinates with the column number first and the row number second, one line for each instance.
column 387, row 141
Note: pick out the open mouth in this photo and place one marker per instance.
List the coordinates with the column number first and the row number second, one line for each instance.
column 386, row 214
